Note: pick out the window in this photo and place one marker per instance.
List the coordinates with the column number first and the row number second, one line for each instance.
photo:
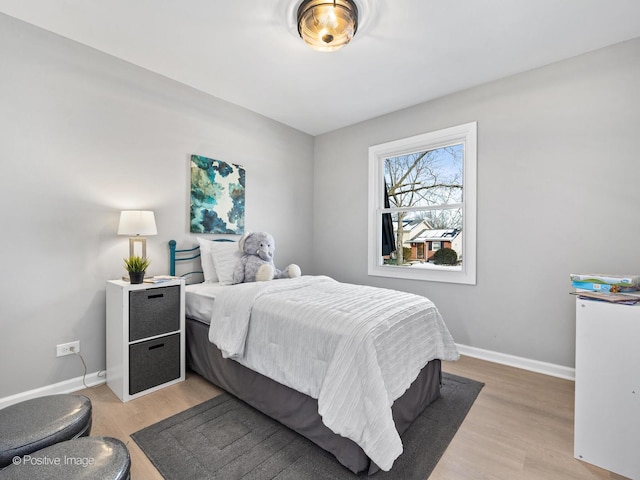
column 422, row 198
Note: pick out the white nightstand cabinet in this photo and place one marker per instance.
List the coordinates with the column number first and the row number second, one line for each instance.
column 607, row 401
column 145, row 337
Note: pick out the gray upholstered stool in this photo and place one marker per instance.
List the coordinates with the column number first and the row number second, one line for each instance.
column 86, row 458
column 34, row 424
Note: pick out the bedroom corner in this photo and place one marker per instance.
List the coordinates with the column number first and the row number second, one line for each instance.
column 92, row 135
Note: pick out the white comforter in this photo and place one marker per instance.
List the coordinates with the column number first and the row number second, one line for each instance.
column 354, row 348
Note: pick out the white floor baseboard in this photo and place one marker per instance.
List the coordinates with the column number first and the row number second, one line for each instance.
column 97, row 378
column 519, row 362
column 67, row 386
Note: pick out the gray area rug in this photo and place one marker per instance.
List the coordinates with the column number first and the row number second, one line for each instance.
column 226, row 439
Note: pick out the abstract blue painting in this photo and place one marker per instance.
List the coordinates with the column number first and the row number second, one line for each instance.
column 217, row 196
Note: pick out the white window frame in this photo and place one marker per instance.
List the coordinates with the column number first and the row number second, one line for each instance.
column 465, row 134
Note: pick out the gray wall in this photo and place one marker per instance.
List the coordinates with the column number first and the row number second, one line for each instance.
column 557, row 182
column 83, row 136
column 558, row 193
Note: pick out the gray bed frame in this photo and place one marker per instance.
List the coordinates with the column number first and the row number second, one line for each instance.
column 290, row 407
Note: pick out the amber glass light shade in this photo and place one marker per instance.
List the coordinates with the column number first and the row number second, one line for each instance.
column 327, row 25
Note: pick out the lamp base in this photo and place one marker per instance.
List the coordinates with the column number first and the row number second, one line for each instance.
column 143, row 246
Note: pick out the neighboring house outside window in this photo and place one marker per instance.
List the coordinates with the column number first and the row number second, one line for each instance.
column 427, row 186
column 430, row 241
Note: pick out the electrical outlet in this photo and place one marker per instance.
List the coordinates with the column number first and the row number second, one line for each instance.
column 67, row 348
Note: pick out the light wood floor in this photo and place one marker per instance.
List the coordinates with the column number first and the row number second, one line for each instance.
column 519, row 428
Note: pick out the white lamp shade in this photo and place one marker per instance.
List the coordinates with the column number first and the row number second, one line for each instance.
column 137, row 222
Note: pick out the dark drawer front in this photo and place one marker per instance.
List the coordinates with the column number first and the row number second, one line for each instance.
column 154, row 362
column 153, row 312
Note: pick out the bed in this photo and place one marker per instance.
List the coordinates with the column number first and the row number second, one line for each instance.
column 319, row 356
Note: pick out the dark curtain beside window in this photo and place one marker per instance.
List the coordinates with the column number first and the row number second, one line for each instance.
column 388, row 238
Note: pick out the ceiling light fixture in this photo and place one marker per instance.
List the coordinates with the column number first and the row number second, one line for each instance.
column 327, row 25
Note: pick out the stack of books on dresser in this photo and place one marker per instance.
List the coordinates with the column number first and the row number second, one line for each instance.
column 596, row 282
column 160, row 279
column 620, row 289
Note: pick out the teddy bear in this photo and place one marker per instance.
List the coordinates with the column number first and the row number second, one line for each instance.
column 256, row 263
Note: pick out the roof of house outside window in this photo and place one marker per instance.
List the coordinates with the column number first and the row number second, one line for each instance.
column 436, row 235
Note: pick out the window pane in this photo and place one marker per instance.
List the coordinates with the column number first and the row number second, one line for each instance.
column 426, row 178
column 421, row 234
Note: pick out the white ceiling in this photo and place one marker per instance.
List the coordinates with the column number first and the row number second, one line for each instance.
column 405, row 52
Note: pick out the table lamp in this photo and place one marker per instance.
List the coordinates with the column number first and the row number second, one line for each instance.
column 137, row 224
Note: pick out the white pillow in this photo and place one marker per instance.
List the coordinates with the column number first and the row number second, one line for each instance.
column 225, row 256
column 206, row 260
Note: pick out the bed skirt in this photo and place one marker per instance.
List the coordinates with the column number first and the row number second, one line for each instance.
column 297, row 410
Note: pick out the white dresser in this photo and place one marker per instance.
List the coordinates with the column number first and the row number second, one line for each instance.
column 145, row 337
column 607, row 396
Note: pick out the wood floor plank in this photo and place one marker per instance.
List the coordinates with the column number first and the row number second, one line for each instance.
column 521, row 416
column 519, row 428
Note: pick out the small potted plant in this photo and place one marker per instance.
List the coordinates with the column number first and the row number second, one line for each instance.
column 136, row 266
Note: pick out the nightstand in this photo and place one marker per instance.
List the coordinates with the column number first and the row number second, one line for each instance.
column 145, row 337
